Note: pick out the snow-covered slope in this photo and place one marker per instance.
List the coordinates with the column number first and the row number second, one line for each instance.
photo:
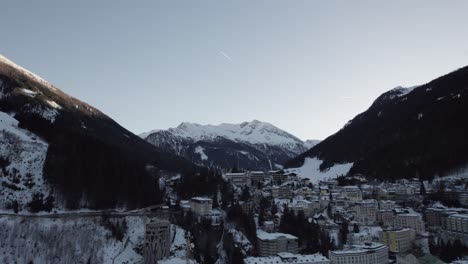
column 249, row 145
column 22, row 156
column 47, row 136
column 311, row 170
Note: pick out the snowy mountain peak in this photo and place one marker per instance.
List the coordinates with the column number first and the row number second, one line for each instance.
column 253, row 132
column 248, row 144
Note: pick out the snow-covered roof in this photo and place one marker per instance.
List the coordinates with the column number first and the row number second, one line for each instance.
column 262, row 235
column 201, row 199
column 356, row 249
column 286, row 257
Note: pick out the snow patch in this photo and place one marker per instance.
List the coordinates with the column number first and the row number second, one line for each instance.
column 201, row 151
column 28, row 92
column 311, row 170
column 53, row 104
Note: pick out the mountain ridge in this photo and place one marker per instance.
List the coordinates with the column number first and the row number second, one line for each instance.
column 248, row 144
column 390, row 139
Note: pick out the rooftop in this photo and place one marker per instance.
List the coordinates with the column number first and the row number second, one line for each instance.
column 286, row 257
column 262, row 235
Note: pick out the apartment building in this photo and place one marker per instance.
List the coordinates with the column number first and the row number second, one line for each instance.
column 201, row 206
column 157, row 240
column 397, row 240
column 408, row 218
column 240, row 179
column 273, row 243
column 365, row 212
column 286, row 258
column 369, row 253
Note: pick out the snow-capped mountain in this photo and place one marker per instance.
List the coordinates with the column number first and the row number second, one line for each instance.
column 407, row 132
column 52, row 144
column 249, row 145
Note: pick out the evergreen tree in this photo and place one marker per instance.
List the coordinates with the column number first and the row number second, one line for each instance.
column 344, row 233
column 355, row 228
column 422, row 189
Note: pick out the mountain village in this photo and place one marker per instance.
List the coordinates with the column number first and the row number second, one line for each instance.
column 343, row 220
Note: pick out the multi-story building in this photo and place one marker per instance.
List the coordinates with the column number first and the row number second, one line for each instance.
column 408, row 218
column 458, row 223
column 278, row 177
column 386, row 205
column 397, row 240
column 273, row 243
column 157, row 240
column 201, row 206
column 353, row 193
column 365, row 212
column 386, row 217
column 286, row 258
column 285, row 192
column 240, row 179
column 369, row 253
column 257, row 176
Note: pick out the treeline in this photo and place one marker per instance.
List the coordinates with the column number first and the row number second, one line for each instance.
column 105, row 175
column 201, row 182
column 312, row 238
column 449, row 251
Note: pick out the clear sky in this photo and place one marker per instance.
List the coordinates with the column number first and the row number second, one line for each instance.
column 305, row 66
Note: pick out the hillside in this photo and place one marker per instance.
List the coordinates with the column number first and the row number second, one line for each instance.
column 407, row 132
column 78, row 154
column 249, row 145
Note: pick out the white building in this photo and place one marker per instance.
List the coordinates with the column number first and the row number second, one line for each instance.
column 240, row 179
column 286, row 258
column 370, row 253
column 365, row 212
column 157, row 240
column 273, row 243
column 386, row 205
column 408, row 218
column 353, row 193
column 201, row 206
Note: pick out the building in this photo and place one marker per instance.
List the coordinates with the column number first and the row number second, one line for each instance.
column 257, row 176
column 270, row 244
column 369, row 253
column 285, row 191
column 386, row 205
column 365, row 212
column 240, row 179
column 278, row 177
column 352, row 193
column 458, row 223
column 408, row 218
column 157, row 240
column 386, row 217
column 397, row 240
column 285, row 258
column 201, row 206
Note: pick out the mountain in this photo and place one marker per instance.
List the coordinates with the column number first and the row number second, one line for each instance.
column 406, row 132
column 249, row 145
column 310, row 143
column 55, row 148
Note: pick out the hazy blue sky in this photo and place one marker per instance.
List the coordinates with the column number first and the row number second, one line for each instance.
column 304, row 66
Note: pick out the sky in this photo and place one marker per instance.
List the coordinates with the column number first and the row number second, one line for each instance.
column 305, row 66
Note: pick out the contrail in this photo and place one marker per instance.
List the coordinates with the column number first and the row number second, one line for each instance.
column 225, row 55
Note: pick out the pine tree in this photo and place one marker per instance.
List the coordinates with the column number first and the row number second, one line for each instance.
column 355, row 228
column 344, row 233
